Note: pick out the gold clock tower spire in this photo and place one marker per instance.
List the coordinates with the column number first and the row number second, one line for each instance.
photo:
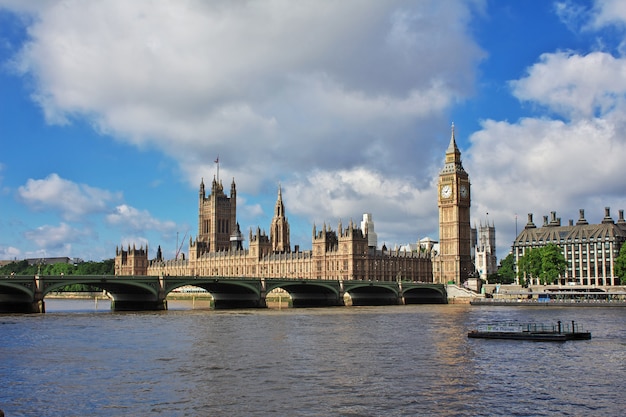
column 454, row 263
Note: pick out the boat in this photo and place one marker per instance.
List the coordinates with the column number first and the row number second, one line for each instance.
column 531, row 331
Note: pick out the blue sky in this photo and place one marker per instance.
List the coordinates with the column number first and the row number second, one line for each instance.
column 112, row 112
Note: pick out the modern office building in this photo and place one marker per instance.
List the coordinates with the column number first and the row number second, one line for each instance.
column 589, row 249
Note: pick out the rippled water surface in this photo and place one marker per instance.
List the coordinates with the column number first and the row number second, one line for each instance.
column 379, row 361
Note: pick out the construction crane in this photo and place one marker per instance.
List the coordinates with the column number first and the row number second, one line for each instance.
column 181, row 244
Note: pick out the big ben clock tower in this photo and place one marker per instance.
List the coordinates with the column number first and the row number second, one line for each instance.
column 454, row 263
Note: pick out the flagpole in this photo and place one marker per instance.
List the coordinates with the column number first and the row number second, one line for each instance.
column 217, row 161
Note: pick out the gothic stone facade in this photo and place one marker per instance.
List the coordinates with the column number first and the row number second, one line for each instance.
column 336, row 254
column 131, row 261
column 484, row 249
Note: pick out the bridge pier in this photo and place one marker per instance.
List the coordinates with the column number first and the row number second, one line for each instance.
column 263, row 294
column 400, row 294
column 341, row 300
column 38, row 306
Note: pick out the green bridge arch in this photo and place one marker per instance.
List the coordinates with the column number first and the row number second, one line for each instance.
column 108, row 284
column 364, row 293
column 27, row 293
column 227, row 292
column 309, row 293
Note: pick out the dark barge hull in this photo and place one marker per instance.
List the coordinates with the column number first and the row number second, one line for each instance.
column 537, row 337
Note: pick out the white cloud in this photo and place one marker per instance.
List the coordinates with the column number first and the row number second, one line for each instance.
column 79, row 203
column 400, row 210
column 130, row 218
column 256, row 81
column 247, row 209
column 607, row 12
column 55, row 238
column 575, row 86
column 540, row 157
column 135, row 241
column 591, row 16
column 72, row 200
column 10, row 253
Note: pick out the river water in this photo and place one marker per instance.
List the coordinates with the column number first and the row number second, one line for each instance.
column 80, row 359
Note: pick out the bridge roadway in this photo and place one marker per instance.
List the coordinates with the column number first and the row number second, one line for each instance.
column 26, row 294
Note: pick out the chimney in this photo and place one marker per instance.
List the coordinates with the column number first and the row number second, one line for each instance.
column 554, row 221
column 581, row 218
column 607, row 216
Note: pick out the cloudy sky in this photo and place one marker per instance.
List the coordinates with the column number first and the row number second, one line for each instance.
column 112, row 112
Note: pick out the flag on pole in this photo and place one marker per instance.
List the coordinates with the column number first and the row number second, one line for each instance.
column 217, row 160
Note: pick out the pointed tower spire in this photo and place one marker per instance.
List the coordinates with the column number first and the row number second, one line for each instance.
column 452, row 147
column 279, row 231
column 217, row 162
column 279, row 208
column 453, row 156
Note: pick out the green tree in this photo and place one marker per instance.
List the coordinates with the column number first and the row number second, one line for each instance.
column 530, row 266
column 61, row 269
column 546, row 264
column 553, row 263
column 18, row 268
column 506, row 270
column 106, row 267
column 620, row 264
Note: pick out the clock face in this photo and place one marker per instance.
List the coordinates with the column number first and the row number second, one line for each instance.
column 463, row 191
column 446, row 191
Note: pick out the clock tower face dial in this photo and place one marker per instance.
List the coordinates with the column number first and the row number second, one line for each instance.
column 463, row 191
column 446, row 191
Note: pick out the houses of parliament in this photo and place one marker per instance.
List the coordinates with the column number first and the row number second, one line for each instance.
column 348, row 252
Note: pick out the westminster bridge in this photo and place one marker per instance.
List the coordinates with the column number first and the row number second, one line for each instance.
column 26, row 294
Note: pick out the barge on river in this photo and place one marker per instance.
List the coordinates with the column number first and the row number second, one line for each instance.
column 531, row 331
